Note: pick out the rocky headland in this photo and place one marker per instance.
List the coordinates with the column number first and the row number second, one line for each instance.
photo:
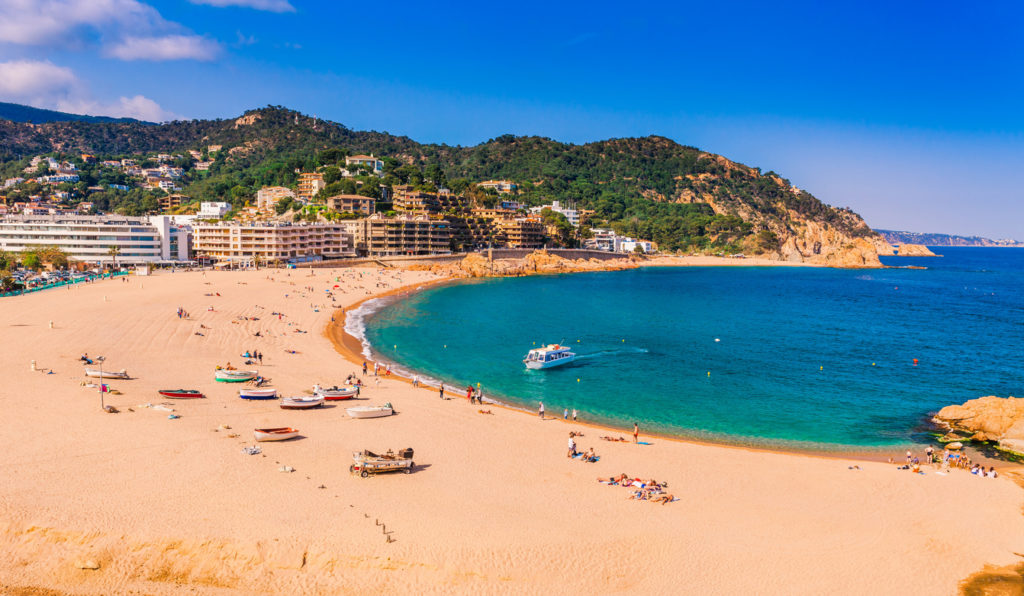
column 913, row 250
column 991, row 418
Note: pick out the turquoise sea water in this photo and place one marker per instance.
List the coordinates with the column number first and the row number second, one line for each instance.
column 806, row 357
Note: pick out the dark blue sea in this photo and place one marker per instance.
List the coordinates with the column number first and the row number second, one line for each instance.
column 803, row 358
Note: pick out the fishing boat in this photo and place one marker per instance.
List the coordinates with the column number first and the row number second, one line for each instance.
column 106, row 374
column 301, row 403
column 274, row 434
column 548, row 357
column 234, row 376
column 258, row 393
column 181, row 393
column 370, row 411
column 335, row 393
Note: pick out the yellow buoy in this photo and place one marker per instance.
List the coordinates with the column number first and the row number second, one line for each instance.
column 872, row 364
column 709, row 373
column 821, row 368
column 577, row 380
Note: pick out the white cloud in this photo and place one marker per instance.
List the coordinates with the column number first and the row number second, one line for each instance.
column 127, row 29
column 23, row 80
column 268, row 5
column 45, row 85
column 51, row 22
column 168, row 47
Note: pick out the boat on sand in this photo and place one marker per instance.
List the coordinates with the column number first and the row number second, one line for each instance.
column 301, row 403
column 335, row 393
column 258, row 393
column 234, row 376
column 370, row 411
column 106, row 374
column 180, row 393
column 275, row 434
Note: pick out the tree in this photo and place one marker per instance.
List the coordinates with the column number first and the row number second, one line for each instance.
column 53, row 256
column 30, row 260
column 113, row 251
column 331, row 174
column 6, row 260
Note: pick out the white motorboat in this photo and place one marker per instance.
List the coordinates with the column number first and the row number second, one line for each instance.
column 301, row 403
column 370, row 411
column 549, row 356
column 274, row 434
column 106, row 374
column 224, row 375
column 258, row 393
column 335, row 393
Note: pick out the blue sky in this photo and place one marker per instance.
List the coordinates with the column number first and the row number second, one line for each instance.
column 908, row 113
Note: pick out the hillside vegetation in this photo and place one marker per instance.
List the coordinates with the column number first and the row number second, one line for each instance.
column 651, row 187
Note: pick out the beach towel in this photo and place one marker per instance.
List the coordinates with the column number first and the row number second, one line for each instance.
column 644, row 443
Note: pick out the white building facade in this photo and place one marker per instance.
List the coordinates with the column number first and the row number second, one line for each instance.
column 213, row 210
column 89, row 238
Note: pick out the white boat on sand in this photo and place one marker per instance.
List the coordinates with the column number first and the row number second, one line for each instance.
column 224, row 375
column 335, row 393
column 301, row 403
column 258, row 393
column 370, row 411
column 106, row 374
column 549, row 356
column 275, row 434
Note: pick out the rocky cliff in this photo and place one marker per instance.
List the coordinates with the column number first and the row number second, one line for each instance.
column 535, row 263
column 914, row 250
column 988, row 418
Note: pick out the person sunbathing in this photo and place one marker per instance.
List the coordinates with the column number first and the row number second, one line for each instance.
column 485, row 412
column 663, row 498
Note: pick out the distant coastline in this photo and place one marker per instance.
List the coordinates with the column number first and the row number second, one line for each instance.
column 942, row 240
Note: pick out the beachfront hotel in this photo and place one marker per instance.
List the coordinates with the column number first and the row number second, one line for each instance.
column 379, row 236
column 272, row 242
column 89, row 238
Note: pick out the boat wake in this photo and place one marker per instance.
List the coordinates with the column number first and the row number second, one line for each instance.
column 607, row 353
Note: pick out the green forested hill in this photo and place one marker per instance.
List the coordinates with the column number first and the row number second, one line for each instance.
column 19, row 113
column 652, row 187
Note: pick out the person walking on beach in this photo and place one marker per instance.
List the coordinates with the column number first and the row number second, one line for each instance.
column 540, row 411
column 636, row 432
column 364, row 367
column 574, row 414
column 440, row 391
column 572, row 446
column 565, row 414
column 415, row 381
column 469, row 393
column 259, row 356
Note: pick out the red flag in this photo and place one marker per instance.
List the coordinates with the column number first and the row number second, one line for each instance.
column 104, row 388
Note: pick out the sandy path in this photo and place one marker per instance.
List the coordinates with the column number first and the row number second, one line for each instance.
column 495, row 507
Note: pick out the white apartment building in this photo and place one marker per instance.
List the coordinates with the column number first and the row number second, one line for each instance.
column 570, row 213
column 213, row 210
column 268, row 196
column 88, row 238
column 376, row 165
column 272, row 242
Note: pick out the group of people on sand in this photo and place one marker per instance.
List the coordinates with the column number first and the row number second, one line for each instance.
column 946, row 461
column 585, row 456
column 652, row 490
column 474, row 395
column 182, row 313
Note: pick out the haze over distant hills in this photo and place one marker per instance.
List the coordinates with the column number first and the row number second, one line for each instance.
column 29, row 115
column 927, row 239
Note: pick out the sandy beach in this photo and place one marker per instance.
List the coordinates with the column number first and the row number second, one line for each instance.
column 164, row 506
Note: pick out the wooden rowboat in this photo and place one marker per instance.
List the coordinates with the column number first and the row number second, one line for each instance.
column 180, row 393
column 274, row 434
column 107, row 374
column 301, row 403
column 265, row 393
column 335, row 393
column 370, row 411
column 235, row 376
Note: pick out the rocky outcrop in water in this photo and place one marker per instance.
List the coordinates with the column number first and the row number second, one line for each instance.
column 988, row 418
column 914, row 250
column 537, row 262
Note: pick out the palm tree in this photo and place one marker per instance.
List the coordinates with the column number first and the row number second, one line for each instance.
column 113, row 251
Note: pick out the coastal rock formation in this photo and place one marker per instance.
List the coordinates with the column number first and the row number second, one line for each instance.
column 995, row 418
column 913, row 250
column 540, row 261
